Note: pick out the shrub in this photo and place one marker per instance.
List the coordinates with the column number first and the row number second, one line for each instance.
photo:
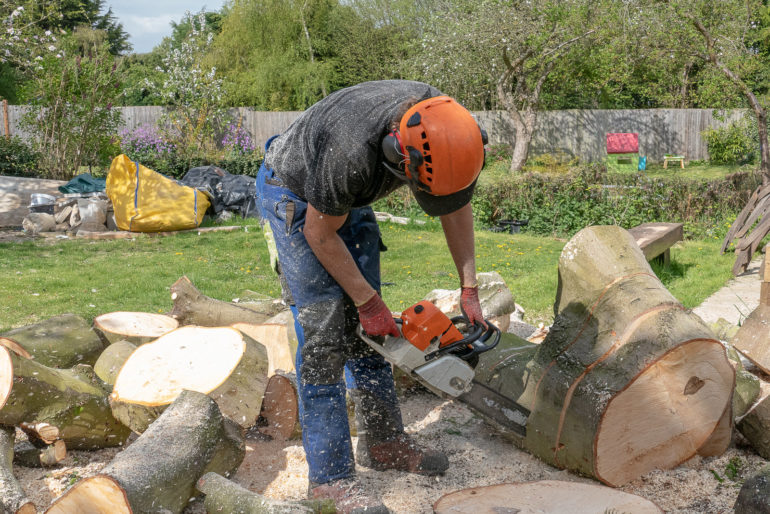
column 17, row 158
column 736, row 143
column 561, row 205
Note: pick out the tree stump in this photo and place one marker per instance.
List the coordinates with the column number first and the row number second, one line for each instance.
column 627, row 379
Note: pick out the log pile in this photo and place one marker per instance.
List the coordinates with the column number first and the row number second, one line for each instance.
column 189, row 391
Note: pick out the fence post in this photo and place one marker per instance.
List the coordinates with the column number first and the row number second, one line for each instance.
column 5, row 120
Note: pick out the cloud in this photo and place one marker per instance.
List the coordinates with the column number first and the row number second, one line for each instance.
column 149, row 21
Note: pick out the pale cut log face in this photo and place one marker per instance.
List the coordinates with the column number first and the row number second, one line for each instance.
column 639, row 433
column 95, row 495
column 6, row 375
column 195, row 358
column 542, row 496
column 144, row 324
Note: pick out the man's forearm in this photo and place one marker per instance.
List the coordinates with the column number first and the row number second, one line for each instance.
column 458, row 230
column 321, row 234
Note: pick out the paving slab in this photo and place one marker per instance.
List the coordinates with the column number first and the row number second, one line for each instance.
column 736, row 300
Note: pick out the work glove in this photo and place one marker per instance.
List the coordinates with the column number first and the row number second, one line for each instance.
column 470, row 305
column 376, row 319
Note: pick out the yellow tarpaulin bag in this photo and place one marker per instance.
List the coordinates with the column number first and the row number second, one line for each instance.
column 146, row 201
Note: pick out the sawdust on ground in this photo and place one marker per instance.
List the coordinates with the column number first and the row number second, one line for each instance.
column 478, row 455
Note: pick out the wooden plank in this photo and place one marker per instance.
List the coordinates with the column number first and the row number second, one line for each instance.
column 124, row 234
column 655, row 238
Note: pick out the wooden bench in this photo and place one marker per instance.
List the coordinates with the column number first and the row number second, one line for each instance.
column 656, row 239
column 673, row 158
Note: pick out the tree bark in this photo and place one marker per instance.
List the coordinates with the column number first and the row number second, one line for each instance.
column 191, row 307
column 135, row 327
column 226, row 497
column 112, row 359
column 221, row 362
column 158, row 472
column 75, row 401
column 59, row 342
column 524, row 129
column 12, row 497
column 626, row 381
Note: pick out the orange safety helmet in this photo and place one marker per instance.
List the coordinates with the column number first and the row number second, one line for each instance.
column 440, row 145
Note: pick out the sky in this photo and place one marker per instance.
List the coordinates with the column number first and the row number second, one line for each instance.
column 148, row 21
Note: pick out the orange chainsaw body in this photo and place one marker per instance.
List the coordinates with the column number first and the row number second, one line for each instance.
column 423, row 323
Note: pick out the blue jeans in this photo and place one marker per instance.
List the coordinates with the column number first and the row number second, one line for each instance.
column 326, row 319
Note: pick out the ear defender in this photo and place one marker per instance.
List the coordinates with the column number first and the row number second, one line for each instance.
column 393, row 149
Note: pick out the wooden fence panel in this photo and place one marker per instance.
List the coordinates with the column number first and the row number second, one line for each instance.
column 578, row 133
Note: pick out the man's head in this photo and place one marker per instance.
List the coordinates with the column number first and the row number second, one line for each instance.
column 439, row 150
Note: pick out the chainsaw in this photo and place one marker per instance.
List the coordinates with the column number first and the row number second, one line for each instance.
column 438, row 351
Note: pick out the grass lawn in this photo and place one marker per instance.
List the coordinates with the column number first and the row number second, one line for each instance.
column 40, row 279
column 694, row 171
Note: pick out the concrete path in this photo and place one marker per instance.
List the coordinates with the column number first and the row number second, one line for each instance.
column 736, row 300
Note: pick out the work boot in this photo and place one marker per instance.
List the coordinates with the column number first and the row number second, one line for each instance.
column 348, row 497
column 401, row 454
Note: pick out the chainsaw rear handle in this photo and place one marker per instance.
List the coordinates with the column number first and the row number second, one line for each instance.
column 474, row 343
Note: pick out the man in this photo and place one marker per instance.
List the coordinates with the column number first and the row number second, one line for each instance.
column 315, row 187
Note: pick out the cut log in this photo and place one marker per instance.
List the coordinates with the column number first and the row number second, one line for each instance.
column 226, row 497
column 112, row 359
column 12, row 497
column 755, row 427
column 158, row 471
column 28, row 455
column 543, row 496
column 135, row 327
column 621, row 348
column 754, row 496
column 279, row 417
column 59, row 342
column 221, row 362
column 276, row 338
column 191, row 307
column 40, row 434
column 75, row 401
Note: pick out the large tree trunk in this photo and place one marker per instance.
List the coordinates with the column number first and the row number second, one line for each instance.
column 226, row 497
column 157, row 473
column 12, row 497
column 59, row 342
column 75, row 401
column 524, row 129
column 627, row 379
column 221, row 362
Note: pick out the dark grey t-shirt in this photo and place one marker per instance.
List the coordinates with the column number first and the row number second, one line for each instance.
column 331, row 155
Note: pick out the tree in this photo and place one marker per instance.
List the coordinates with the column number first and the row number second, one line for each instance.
column 501, row 53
